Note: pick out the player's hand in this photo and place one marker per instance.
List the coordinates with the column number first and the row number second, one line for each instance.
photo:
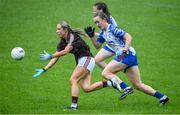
column 45, row 56
column 39, row 72
column 89, row 31
column 124, row 53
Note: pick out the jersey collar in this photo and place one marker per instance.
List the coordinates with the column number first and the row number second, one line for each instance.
column 107, row 29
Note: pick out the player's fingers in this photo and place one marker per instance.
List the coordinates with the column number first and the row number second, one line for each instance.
column 45, row 52
column 36, row 75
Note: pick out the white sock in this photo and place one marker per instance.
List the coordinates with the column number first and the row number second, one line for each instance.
column 109, row 83
column 74, row 105
column 114, row 80
column 116, row 83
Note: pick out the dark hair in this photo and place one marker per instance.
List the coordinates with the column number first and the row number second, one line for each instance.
column 102, row 6
column 102, row 16
column 78, row 31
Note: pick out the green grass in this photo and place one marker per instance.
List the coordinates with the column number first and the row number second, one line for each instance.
column 31, row 24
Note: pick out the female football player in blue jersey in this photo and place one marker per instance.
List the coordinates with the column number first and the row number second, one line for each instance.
column 71, row 42
column 125, row 59
column 107, row 51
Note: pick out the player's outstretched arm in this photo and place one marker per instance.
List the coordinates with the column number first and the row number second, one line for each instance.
column 67, row 49
column 51, row 63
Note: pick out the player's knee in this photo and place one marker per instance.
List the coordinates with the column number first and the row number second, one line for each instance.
column 86, row 90
column 97, row 60
column 138, row 86
column 73, row 81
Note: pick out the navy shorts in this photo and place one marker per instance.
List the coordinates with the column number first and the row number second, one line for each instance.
column 129, row 59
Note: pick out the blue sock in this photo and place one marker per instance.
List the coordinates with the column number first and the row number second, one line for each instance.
column 123, row 85
column 158, row 95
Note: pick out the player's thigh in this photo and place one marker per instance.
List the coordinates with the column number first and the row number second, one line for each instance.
column 133, row 74
column 103, row 54
column 78, row 73
column 114, row 66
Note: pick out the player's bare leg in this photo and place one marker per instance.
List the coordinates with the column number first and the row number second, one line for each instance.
column 101, row 56
column 78, row 73
column 110, row 72
column 87, row 86
column 133, row 74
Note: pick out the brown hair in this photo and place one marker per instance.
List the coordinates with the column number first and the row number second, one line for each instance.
column 102, row 16
column 78, row 31
column 102, row 6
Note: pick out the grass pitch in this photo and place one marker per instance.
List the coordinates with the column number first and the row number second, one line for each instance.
column 31, row 24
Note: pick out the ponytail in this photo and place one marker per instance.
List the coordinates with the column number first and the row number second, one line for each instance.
column 77, row 31
column 80, row 32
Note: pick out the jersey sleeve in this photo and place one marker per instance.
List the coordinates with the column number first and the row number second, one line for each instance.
column 118, row 32
column 74, row 43
column 62, row 45
column 112, row 21
column 100, row 38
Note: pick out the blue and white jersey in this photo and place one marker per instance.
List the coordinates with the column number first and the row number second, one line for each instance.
column 114, row 37
column 112, row 21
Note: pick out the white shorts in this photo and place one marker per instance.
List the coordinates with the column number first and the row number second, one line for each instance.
column 87, row 62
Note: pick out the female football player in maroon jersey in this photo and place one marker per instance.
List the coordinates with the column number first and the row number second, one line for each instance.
column 71, row 42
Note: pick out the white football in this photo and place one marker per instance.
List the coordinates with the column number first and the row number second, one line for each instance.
column 17, row 53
